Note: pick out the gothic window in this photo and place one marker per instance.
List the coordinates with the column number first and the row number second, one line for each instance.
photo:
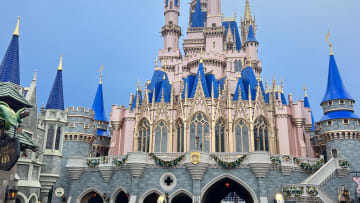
column 50, row 137
column 220, row 136
column 144, row 136
column 261, row 135
column 180, row 136
column 161, row 137
column 237, row 65
column 171, row 5
column 57, row 140
column 214, row 45
column 199, row 133
column 241, row 137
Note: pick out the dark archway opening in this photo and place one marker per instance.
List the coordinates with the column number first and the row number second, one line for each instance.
column 152, row 198
column 92, row 197
column 122, row 198
column 181, row 198
column 223, row 188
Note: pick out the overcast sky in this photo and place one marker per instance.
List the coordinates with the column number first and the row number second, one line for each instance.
column 124, row 36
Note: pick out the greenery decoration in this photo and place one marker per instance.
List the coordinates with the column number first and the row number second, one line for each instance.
column 313, row 191
column 92, row 163
column 164, row 163
column 227, row 165
column 293, row 191
column 275, row 161
column 344, row 164
column 9, row 116
column 120, row 162
column 310, row 167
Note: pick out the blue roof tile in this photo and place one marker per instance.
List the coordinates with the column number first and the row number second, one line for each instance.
column 10, row 67
column 335, row 87
column 200, row 76
column 101, row 132
column 251, row 35
column 233, row 26
column 56, row 97
column 339, row 115
column 98, row 105
column 198, row 17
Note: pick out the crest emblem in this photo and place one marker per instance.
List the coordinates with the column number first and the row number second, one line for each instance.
column 195, row 157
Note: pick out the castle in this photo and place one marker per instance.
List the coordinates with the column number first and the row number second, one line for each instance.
column 204, row 129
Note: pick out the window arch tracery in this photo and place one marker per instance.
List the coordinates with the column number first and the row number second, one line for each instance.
column 199, row 132
column 144, row 136
column 220, row 136
column 161, row 137
column 242, row 136
column 180, row 138
column 261, row 134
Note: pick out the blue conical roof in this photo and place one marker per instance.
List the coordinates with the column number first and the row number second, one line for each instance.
column 165, row 90
column 98, row 105
column 200, row 76
column 10, row 69
column 251, row 34
column 233, row 29
column 56, row 97
column 307, row 105
column 335, row 87
column 198, row 17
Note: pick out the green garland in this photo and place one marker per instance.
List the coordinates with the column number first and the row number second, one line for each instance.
column 344, row 164
column 293, row 191
column 167, row 164
column 228, row 165
column 92, row 163
column 310, row 167
column 313, row 191
column 120, row 162
column 275, row 161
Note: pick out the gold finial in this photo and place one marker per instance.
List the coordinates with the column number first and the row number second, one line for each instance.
column 282, row 87
column 137, row 85
column 16, row 32
column 329, row 42
column 201, row 56
column 100, row 70
column 305, row 91
column 60, row 64
column 156, row 62
column 164, row 77
column 249, row 61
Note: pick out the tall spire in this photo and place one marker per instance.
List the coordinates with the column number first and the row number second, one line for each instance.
column 247, row 13
column 10, row 66
column 98, row 104
column 251, row 34
column 335, row 87
column 56, row 97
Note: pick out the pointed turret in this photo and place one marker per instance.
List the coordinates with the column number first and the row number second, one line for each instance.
column 98, row 104
column 247, row 12
column 335, row 88
column 200, row 77
column 251, row 35
column 307, row 105
column 56, row 97
column 10, row 66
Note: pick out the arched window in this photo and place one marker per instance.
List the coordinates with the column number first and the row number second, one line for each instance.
column 57, row 140
column 144, row 136
column 220, row 136
column 241, row 137
column 261, row 135
column 199, row 133
column 161, row 137
column 50, row 137
column 171, row 5
column 180, row 136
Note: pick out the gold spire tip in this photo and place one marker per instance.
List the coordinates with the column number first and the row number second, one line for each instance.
column 305, row 91
column 16, row 32
column 327, row 38
column 60, row 64
column 201, row 56
column 101, row 75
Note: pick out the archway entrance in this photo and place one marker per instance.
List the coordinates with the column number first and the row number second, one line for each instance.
column 181, row 198
column 92, row 197
column 227, row 190
column 121, row 198
column 152, row 198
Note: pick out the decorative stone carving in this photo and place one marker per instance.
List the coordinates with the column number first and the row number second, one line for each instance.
column 260, row 163
column 198, row 170
column 106, row 173
column 75, row 167
column 137, row 163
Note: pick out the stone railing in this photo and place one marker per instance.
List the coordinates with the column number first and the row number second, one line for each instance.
column 301, row 192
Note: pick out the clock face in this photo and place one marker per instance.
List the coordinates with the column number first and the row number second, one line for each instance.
column 59, row 192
